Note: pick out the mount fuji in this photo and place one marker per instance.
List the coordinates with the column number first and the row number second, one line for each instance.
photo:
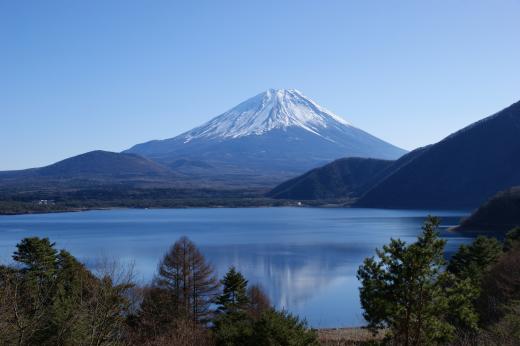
column 272, row 136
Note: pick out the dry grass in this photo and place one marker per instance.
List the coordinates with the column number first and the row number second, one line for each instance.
column 347, row 336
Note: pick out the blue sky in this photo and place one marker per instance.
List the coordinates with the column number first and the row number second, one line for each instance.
column 83, row 75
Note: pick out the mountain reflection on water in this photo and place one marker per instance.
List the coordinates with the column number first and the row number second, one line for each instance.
column 291, row 274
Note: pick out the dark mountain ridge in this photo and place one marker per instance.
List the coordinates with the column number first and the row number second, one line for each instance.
column 461, row 171
column 340, row 179
column 343, row 178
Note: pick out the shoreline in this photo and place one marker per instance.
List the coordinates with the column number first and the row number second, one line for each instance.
column 78, row 210
column 231, row 205
column 30, row 208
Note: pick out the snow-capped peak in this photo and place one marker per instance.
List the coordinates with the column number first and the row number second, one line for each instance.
column 272, row 109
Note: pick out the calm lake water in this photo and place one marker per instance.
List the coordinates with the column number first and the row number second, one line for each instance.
column 305, row 258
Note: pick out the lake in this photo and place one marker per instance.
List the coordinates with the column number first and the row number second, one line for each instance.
column 305, row 258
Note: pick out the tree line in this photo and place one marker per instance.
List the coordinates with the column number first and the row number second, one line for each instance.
column 49, row 298
column 409, row 292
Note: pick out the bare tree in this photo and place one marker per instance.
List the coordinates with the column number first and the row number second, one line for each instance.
column 8, row 330
column 109, row 305
column 258, row 301
column 189, row 281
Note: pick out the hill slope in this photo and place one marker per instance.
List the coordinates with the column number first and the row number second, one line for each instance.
column 342, row 178
column 103, row 163
column 272, row 136
column 461, row 171
column 95, row 165
column 500, row 213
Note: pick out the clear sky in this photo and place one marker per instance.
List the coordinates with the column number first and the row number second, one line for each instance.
column 82, row 75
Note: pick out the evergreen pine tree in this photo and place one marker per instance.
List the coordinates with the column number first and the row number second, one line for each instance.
column 474, row 260
column 35, row 289
column 38, row 257
column 405, row 291
column 512, row 239
column 233, row 325
column 234, row 294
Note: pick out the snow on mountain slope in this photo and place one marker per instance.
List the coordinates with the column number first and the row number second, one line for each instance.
column 273, row 109
column 277, row 134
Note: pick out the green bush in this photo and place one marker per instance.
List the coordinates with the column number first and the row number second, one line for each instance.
column 279, row 328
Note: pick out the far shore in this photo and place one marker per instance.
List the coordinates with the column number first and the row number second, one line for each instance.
column 33, row 208
column 29, row 208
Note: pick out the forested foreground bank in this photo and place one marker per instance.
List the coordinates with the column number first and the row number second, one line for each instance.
column 411, row 296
